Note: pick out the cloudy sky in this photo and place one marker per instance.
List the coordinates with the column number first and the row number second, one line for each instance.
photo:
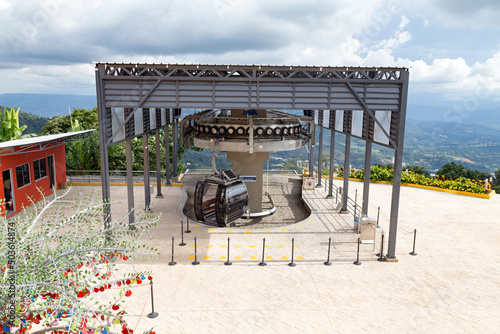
column 451, row 46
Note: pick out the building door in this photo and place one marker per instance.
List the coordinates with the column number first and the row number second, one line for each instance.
column 8, row 193
column 52, row 171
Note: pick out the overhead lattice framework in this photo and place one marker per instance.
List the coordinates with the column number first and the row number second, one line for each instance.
column 373, row 95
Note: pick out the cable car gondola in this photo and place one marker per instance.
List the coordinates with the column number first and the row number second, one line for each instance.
column 221, row 199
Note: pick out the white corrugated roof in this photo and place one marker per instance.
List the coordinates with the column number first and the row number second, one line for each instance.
column 40, row 139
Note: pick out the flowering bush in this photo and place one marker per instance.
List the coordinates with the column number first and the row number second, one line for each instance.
column 54, row 262
column 382, row 173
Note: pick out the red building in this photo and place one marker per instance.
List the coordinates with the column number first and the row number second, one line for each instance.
column 32, row 168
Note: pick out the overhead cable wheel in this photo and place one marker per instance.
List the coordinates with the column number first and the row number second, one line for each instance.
column 241, row 131
column 207, row 129
column 260, row 131
column 231, row 130
column 277, row 131
column 285, row 131
column 215, row 130
column 222, row 130
column 269, row 131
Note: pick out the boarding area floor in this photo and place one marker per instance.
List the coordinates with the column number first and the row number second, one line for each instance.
column 451, row 286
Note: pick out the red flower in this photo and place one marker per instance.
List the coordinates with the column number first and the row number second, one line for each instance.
column 115, row 307
column 342, row 168
column 81, row 294
column 128, row 293
column 139, row 281
column 150, row 278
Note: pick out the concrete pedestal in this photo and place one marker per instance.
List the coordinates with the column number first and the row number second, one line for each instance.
column 245, row 164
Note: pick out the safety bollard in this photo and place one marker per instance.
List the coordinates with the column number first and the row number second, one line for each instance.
column 187, row 229
column 228, row 263
column 182, row 234
column 381, row 257
column 414, row 239
column 292, row 264
column 195, row 262
column 153, row 314
column 172, row 263
column 263, row 251
column 357, row 262
column 328, row 263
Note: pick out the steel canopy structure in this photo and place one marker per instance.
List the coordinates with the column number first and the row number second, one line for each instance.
column 364, row 102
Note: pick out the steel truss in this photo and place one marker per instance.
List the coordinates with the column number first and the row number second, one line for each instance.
column 368, row 103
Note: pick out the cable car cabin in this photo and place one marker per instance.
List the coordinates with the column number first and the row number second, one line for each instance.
column 220, row 199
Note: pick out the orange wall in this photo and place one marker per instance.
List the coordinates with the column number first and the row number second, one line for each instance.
column 33, row 189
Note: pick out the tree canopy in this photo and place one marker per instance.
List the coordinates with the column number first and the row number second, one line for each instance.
column 453, row 171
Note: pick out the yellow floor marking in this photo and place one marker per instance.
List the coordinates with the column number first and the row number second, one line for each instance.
column 284, row 257
column 223, row 246
column 298, row 226
column 267, row 246
column 206, row 257
column 196, row 225
column 211, row 229
column 300, row 258
column 309, row 223
column 237, row 246
column 237, row 257
column 267, row 231
column 252, row 246
column 209, row 246
column 222, row 257
column 229, row 231
column 253, row 257
column 269, row 257
column 248, row 232
column 196, row 246
column 191, row 257
column 296, row 246
column 284, row 229
column 281, row 246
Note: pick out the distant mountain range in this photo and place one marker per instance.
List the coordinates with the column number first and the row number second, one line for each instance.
column 434, row 134
column 47, row 105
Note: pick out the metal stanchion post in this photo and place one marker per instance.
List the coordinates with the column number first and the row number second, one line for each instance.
column 228, row 263
column 153, row 314
column 195, row 262
column 292, row 264
column 414, row 239
column 357, row 262
column 263, row 251
column 382, row 258
column 187, row 222
column 182, row 234
column 328, row 263
column 172, row 263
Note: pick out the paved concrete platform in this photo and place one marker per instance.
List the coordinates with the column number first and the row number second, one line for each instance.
column 451, row 286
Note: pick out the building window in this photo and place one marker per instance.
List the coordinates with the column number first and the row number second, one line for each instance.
column 40, row 168
column 23, row 175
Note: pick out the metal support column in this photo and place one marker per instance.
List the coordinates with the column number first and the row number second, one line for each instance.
column 158, row 164
column 398, row 167
column 167, row 155
column 332, row 158
column 345, row 189
column 311, row 153
column 366, row 185
column 145, row 152
column 130, row 181
column 106, row 192
column 175, row 139
column 320, row 156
